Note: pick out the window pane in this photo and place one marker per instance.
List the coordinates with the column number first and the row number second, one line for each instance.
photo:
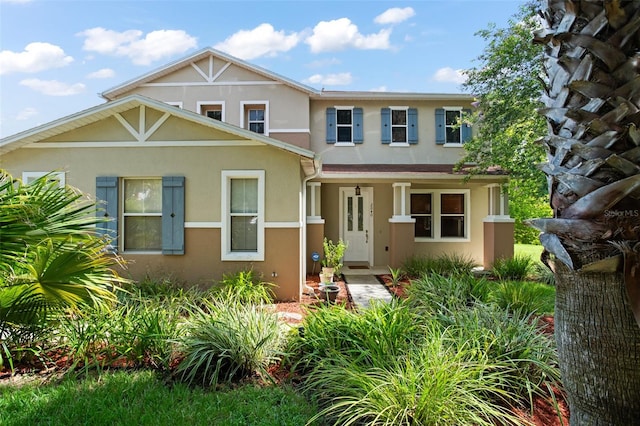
column 344, row 134
column 216, row 115
column 452, row 117
column 244, row 233
column 256, row 115
column 420, row 203
column 349, row 213
column 423, row 226
column 244, row 196
column 453, row 135
column 399, row 134
column 452, row 203
column 142, row 233
column 143, row 196
column 452, row 226
column 343, row 116
column 398, row 117
column 257, row 127
column 360, row 214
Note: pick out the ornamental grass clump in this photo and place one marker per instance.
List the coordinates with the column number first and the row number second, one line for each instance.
column 226, row 341
column 518, row 267
column 244, row 287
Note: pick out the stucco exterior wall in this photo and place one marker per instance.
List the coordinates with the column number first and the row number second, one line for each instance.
column 372, row 151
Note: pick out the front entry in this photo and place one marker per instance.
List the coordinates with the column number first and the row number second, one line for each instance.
column 356, row 224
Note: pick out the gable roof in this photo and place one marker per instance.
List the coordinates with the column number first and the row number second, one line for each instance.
column 171, row 67
column 108, row 109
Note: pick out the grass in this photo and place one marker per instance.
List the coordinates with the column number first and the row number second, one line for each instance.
column 530, row 250
column 141, row 398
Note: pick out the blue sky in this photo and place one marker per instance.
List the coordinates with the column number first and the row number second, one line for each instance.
column 56, row 56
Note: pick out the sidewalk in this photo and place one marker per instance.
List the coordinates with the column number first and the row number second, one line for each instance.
column 364, row 287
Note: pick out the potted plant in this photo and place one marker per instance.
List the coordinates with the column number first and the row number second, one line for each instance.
column 333, row 254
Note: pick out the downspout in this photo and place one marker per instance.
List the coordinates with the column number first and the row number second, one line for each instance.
column 303, row 234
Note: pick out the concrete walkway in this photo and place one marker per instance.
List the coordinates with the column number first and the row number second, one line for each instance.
column 364, row 286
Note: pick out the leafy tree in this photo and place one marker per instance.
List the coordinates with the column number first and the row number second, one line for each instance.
column 507, row 85
column 592, row 109
column 50, row 256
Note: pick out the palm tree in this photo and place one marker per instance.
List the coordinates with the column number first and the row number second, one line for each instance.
column 50, row 256
column 592, row 108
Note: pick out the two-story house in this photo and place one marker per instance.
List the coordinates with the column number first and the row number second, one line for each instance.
column 210, row 165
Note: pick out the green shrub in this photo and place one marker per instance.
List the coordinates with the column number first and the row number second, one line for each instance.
column 225, row 341
column 431, row 384
column 432, row 294
column 517, row 267
column 510, row 339
column 523, row 296
column 446, row 264
column 544, row 274
column 244, row 287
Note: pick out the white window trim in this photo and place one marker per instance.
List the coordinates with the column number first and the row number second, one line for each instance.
column 201, row 104
column 436, row 215
column 243, row 108
column 343, row 107
column 226, row 253
column 452, row 144
column 27, row 177
column 404, row 144
column 121, row 191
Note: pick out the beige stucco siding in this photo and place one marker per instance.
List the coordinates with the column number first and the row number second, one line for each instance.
column 372, row 151
column 201, row 166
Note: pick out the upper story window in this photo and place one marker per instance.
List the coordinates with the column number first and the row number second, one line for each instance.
column 213, row 110
column 344, row 125
column 440, row 215
column 255, row 117
column 399, row 126
column 450, row 126
column 30, row 177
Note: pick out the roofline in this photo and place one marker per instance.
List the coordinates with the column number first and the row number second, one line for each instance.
column 364, row 95
column 47, row 130
column 113, row 92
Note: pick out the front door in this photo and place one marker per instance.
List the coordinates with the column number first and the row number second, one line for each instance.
column 356, row 224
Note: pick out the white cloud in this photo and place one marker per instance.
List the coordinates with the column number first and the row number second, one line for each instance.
column 36, row 57
column 395, row 15
column 53, row 87
column 26, row 114
column 340, row 34
column 263, row 40
column 141, row 50
column 102, row 73
column 449, row 75
column 340, row 79
column 379, row 89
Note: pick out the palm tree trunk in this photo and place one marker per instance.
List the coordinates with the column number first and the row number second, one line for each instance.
column 592, row 101
column 598, row 347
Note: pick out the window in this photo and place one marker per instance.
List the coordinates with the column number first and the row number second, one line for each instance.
column 399, row 126
column 344, row 125
column 28, row 177
column 243, row 215
column 450, row 126
column 151, row 218
column 142, row 214
column 255, row 117
column 440, row 214
column 211, row 109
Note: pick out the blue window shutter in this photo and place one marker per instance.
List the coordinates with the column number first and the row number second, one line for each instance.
column 385, row 123
column 331, row 125
column 358, row 134
column 412, row 122
column 466, row 129
column 107, row 195
column 440, row 127
column 173, row 215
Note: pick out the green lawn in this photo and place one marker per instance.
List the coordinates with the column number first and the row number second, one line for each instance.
column 530, row 250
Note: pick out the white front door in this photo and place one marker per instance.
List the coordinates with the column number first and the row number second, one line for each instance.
column 356, row 224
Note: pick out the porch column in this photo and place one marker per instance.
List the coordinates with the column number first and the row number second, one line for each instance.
column 401, row 226
column 315, row 226
column 498, row 227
